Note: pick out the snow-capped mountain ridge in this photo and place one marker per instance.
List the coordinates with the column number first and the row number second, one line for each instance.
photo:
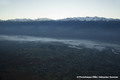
column 88, row 19
column 25, row 19
column 66, row 19
column 43, row 19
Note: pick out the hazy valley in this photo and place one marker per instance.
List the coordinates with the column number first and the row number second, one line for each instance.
column 59, row 49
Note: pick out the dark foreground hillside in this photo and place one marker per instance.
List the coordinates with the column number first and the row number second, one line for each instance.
column 55, row 61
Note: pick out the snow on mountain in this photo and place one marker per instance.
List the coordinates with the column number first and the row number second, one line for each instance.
column 20, row 20
column 24, row 19
column 67, row 19
column 88, row 19
column 43, row 19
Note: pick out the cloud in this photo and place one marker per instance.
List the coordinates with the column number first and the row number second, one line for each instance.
column 78, row 44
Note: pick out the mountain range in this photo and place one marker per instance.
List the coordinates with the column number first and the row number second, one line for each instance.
column 66, row 19
column 90, row 28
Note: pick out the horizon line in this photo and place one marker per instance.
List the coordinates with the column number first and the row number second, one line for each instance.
column 59, row 18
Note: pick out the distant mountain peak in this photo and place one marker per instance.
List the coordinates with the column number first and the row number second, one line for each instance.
column 20, row 20
column 43, row 19
column 87, row 18
column 25, row 19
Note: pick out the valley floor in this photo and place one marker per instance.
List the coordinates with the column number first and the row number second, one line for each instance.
column 55, row 61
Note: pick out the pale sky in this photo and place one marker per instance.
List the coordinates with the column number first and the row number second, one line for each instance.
column 57, row 9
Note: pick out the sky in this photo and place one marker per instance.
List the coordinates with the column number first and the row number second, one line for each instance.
column 57, row 9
